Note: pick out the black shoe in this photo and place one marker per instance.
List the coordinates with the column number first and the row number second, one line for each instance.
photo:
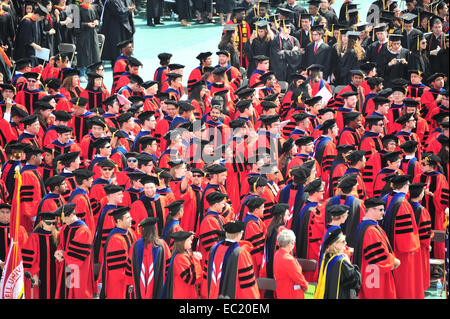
column 151, row 24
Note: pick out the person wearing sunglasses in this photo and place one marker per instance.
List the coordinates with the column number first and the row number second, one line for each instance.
column 38, row 251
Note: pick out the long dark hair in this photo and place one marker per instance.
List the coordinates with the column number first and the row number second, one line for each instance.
column 150, row 235
column 276, row 220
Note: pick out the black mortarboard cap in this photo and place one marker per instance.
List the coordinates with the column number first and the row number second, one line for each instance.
column 65, row 210
column 150, row 179
column 234, row 227
column 347, row 181
column 338, row 210
column 181, row 235
column 314, row 186
column 54, row 181
column 328, row 124
column 175, row 206
column 374, row 202
column 279, row 209
column 255, row 202
column 215, row 197
column 404, row 118
column 111, row 189
column 392, row 156
column 148, row 221
column 415, row 189
column 119, row 212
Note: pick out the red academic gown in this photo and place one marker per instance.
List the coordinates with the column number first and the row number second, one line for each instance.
column 148, row 272
column 374, row 255
column 424, row 225
column 255, row 233
column 83, row 208
column 149, row 207
column 75, row 241
column 115, row 271
column 237, row 270
column 38, row 259
column 28, row 98
column 401, row 229
column 184, row 276
column 435, row 205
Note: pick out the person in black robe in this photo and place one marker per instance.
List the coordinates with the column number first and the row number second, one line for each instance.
column 395, row 64
column 338, row 278
column 117, row 26
column 285, row 55
column 64, row 18
column 87, row 38
column 376, row 51
column 408, row 31
column 184, row 11
column 28, row 37
column 258, row 44
column 7, row 30
column 418, row 57
column 318, row 52
column 435, row 42
column 47, row 27
column 154, row 11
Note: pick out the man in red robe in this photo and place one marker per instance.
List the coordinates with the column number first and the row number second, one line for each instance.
column 115, row 270
column 230, row 262
column 374, row 255
column 401, row 229
column 74, row 257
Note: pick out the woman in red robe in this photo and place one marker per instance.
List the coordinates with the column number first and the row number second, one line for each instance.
column 185, row 271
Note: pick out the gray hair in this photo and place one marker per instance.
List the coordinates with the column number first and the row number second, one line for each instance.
column 285, row 237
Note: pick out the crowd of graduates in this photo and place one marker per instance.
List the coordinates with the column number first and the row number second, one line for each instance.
column 315, row 140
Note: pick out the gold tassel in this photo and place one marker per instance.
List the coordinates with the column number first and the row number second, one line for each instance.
column 299, row 21
column 418, row 43
column 403, row 25
column 276, row 22
column 428, row 25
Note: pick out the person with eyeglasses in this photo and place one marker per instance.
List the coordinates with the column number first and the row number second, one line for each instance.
column 30, row 93
column 338, row 278
column 409, row 125
column 103, row 152
column 97, row 192
column 371, row 140
column 38, row 258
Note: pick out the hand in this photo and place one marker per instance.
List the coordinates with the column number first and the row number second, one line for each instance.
column 396, row 263
column 197, row 255
column 188, row 175
column 8, row 103
column 59, row 255
column 393, row 62
column 2, row 264
column 302, row 51
column 52, row 31
column 434, row 52
column 403, row 60
column 37, row 46
column 132, row 7
column 296, row 48
column 36, row 280
column 427, row 192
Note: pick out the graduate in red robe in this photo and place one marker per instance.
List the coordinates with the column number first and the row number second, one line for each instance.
column 38, row 257
column 325, row 149
column 308, row 239
column 230, row 262
column 80, row 196
column 392, row 162
column 436, row 197
column 401, row 229
column 32, row 189
column 115, row 269
column 280, row 213
column 176, row 211
column 255, row 230
column 31, row 93
column 150, row 259
column 53, row 199
column 424, row 225
column 150, row 204
column 74, row 257
column 185, row 273
column 374, row 255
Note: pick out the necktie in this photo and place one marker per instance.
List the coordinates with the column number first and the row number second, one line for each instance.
column 315, row 48
column 379, row 47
